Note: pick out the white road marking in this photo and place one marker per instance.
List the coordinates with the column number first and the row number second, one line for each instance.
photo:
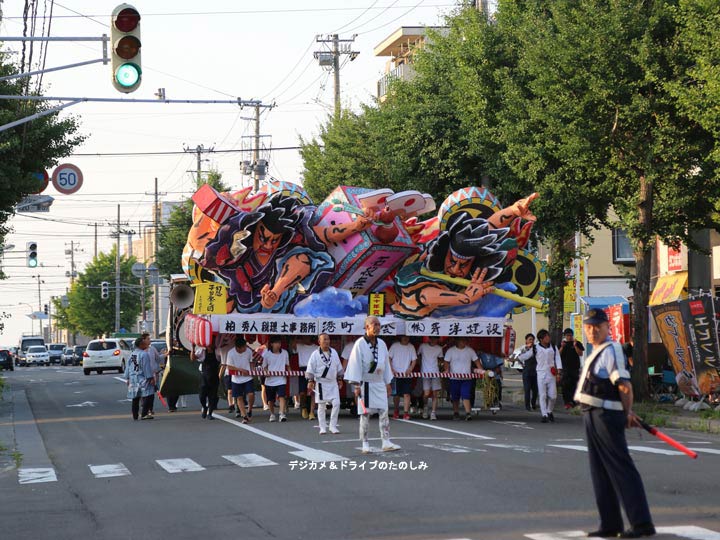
column 433, row 426
column 453, row 448
column 109, row 471
column 249, row 460
column 569, row 440
column 651, row 450
column 331, row 441
column 690, row 531
column 517, row 448
column 304, row 452
column 570, row 447
column 84, row 404
column 521, row 425
column 561, row 535
column 36, row 476
column 120, row 379
column 706, row 450
column 179, row 465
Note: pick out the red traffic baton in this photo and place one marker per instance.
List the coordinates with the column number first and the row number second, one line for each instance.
column 665, row 438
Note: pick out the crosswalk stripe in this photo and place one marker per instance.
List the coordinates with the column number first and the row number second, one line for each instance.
column 516, row 447
column 457, row 432
column 249, row 460
column 651, row 450
column 690, row 531
column 577, row 447
column 179, row 465
column 453, row 448
column 36, row 475
column 109, row 471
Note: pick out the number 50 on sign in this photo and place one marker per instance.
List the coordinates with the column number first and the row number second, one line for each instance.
column 67, row 178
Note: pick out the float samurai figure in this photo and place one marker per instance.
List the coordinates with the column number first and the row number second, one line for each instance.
column 273, row 256
column 470, row 248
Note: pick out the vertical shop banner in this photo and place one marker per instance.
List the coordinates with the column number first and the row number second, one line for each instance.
column 570, row 289
column 210, row 299
column 698, row 315
column 617, row 328
column 672, row 332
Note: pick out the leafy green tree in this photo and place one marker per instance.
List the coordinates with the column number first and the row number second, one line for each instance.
column 28, row 148
column 172, row 235
column 92, row 315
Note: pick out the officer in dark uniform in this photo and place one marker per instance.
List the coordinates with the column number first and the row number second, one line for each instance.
column 605, row 395
column 210, row 380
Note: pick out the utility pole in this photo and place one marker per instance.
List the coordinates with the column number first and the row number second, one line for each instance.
column 117, row 275
column 156, row 285
column 95, row 241
column 329, row 59
column 199, row 150
column 40, row 308
column 256, row 150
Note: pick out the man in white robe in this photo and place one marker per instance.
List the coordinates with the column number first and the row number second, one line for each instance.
column 369, row 372
column 323, row 370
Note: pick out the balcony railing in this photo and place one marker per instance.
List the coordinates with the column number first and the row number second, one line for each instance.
column 404, row 72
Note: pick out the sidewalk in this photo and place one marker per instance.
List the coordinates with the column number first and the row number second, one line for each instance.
column 671, row 416
column 7, row 432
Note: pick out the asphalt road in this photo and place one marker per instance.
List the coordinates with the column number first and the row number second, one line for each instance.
column 89, row 471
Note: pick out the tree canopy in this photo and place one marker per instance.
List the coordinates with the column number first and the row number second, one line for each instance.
column 28, row 148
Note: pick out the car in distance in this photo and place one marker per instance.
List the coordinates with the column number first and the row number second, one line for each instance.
column 102, row 354
column 78, row 351
column 6, row 360
column 37, row 355
column 67, row 356
column 55, row 351
column 23, row 344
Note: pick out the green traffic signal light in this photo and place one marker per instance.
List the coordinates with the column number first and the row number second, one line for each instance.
column 127, row 75
column 32, row 261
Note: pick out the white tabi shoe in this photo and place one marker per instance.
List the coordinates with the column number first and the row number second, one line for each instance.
column 366, row 448
column 389, row 447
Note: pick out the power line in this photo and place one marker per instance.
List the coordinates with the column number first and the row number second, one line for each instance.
column 178, row 152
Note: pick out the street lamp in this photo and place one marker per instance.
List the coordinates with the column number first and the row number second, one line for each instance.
column 32, row 319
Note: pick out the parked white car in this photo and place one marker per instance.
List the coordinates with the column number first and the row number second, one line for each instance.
column 37, row 355
column 102, row 354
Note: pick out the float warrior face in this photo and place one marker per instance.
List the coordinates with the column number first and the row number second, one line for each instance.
column 457, row 265
column 264, row 241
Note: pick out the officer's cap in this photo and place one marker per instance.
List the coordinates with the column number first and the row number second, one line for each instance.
column 595, row 316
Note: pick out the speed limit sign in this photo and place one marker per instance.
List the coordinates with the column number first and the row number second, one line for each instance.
column 67, row 178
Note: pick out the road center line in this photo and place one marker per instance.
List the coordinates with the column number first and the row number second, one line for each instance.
column 432, row 426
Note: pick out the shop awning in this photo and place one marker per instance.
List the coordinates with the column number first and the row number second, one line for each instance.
column 601, row 302
column 669, row 288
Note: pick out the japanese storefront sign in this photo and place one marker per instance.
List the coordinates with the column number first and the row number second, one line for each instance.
column 699, row 319
column 210, row 299
column 238, row 323
column 669, row 288
column 672, row 332
column 570, row 287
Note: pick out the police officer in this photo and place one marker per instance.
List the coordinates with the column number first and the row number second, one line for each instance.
column 605, row 394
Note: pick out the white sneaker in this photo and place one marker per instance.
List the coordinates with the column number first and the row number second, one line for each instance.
column 433, row 416
column 334, row 430
column 283, row 418
column 425, row 413
column 266, row 408
column 366, row 448
column 272, row 418
column 412, row 410
column 389, row 447
column 322, row 432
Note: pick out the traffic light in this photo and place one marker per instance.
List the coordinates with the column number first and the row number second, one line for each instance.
column 32, row 260
column 104, row 290
column 125, row 45
column 45, row 309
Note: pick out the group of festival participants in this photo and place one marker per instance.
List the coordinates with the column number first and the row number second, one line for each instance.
column 365, row 373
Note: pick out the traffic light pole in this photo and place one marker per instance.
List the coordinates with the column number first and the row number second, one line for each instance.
column 75, row 100
column 117, row 275
column 39, row 304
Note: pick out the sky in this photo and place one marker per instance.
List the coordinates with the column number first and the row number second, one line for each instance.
column 216, row 50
